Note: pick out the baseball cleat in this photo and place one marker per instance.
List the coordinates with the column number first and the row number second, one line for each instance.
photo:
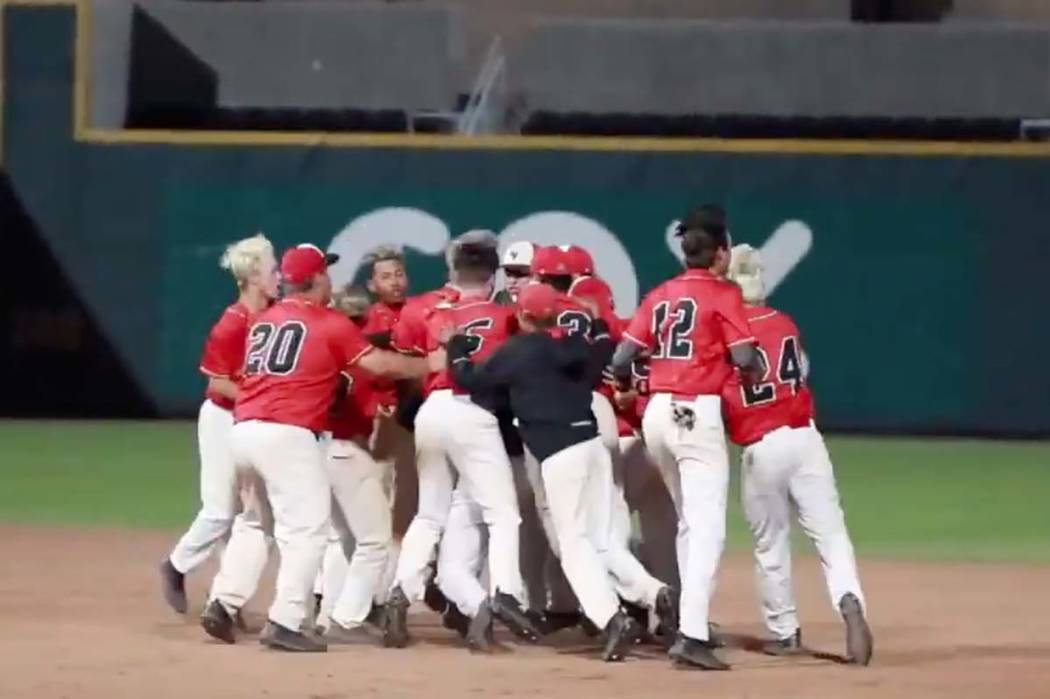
column 457, row 621
column 715, row 637
column 556, row 621
column 792, row 645
column 479, row 632
column 337, row 634
column 434, row 598
column 859, row 642
column 217, row 622
column 667, row 610
column 692, row 653
column 395, row 620
column 640, row 614
column 281, row 638
column 509, row 611
column 620, row 634
column 173, row 585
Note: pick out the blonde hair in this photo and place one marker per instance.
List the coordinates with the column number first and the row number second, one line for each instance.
column 745, row 269
column 244, row 257
column 352, row 301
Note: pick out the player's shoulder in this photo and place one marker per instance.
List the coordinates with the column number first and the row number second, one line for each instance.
column 763, row 317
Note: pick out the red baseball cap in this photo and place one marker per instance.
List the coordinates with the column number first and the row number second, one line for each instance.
column 551, row 261
column 540, row 301
column 303, row 262
column 594, row 288
column 580, row 261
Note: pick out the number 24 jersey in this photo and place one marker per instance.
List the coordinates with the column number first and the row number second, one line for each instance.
column 296, row 352
column 781, row 398
column 688, row 324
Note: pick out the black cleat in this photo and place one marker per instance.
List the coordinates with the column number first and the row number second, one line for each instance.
column 173, row 585
column 792, row 645
column 217, row 622
column 620, row 634
column 281, row 638
column 457, row 621
column 509, row 611
column 556, row 621
column 337, row 634
column 689, row 652
column 667, row 611
column 395, row 620
column 434, row 598
column 640, row 614
column 479, row 630
column 859, row 642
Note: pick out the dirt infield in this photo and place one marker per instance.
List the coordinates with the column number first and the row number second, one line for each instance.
column 82, row 618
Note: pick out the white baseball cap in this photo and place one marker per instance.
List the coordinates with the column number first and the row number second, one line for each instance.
column 518, row 254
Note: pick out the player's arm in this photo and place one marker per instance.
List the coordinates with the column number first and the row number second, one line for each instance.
column 223, row 385
column 638, row 336
column 495, row 373
column 393, row 365
column 743, row 349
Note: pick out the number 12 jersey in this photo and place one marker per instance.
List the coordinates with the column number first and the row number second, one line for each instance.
column 688, row 324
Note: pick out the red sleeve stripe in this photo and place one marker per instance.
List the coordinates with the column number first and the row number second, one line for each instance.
column 212, row 374
column 635, row 340
column 742, row 341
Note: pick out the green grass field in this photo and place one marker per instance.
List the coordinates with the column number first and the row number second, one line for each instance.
column 935, row 499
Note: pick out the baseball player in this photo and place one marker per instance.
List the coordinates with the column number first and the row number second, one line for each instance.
column 296, row 353
column 576, row 467
column 391, row 443
column 690, row 325
column 785, row 465
column 361, row 515
column 456, row 436
column 516, row 265
column 251, row 262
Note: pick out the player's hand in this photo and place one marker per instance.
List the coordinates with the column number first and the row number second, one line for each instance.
column 624, row 399
column 445, row 333
column 437, row 360
column 460, row 346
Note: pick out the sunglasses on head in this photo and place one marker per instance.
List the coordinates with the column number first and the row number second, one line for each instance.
column 515, row 273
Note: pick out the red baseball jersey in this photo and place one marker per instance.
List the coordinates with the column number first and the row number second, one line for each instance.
column 689, row 323
column 381, row 320
column 781, row 398
column 296, row 351
column 594, row 288
column 354, row 411
column 492, row 323
column 224, row 350
column 410, row 332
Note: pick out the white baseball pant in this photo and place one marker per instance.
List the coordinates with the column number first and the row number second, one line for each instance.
column 559, row 596
column 290, row 462
column 462, row 552
column 454, row 433
column 244, row 558
column 218, row 489
column 579, row 482
column 694, row 463
column 361, row 516
column 784, row 467
column 609, row 432
column 647, row 495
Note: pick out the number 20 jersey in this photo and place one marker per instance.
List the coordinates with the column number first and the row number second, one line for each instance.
column 296, row 352
column 688, row 323
column 781, row 398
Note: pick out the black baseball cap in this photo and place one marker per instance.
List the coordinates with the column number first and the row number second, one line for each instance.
column 710, row 218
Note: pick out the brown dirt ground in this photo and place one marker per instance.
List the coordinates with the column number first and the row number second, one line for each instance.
column 81, row 617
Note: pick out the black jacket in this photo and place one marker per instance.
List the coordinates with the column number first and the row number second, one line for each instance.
column 550, row 382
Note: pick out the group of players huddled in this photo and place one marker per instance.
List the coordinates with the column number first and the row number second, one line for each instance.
column 519, row 428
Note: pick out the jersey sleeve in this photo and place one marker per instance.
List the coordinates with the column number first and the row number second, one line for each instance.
column 640, row 327
column 224, row 350
column 409, row 333
column 733, row 317
column 350, row 343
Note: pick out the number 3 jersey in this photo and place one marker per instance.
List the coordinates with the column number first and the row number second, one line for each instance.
column 689, row 323
column 781, row 398
column 296, row 352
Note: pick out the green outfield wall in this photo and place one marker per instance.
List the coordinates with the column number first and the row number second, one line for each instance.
column 918, row 280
